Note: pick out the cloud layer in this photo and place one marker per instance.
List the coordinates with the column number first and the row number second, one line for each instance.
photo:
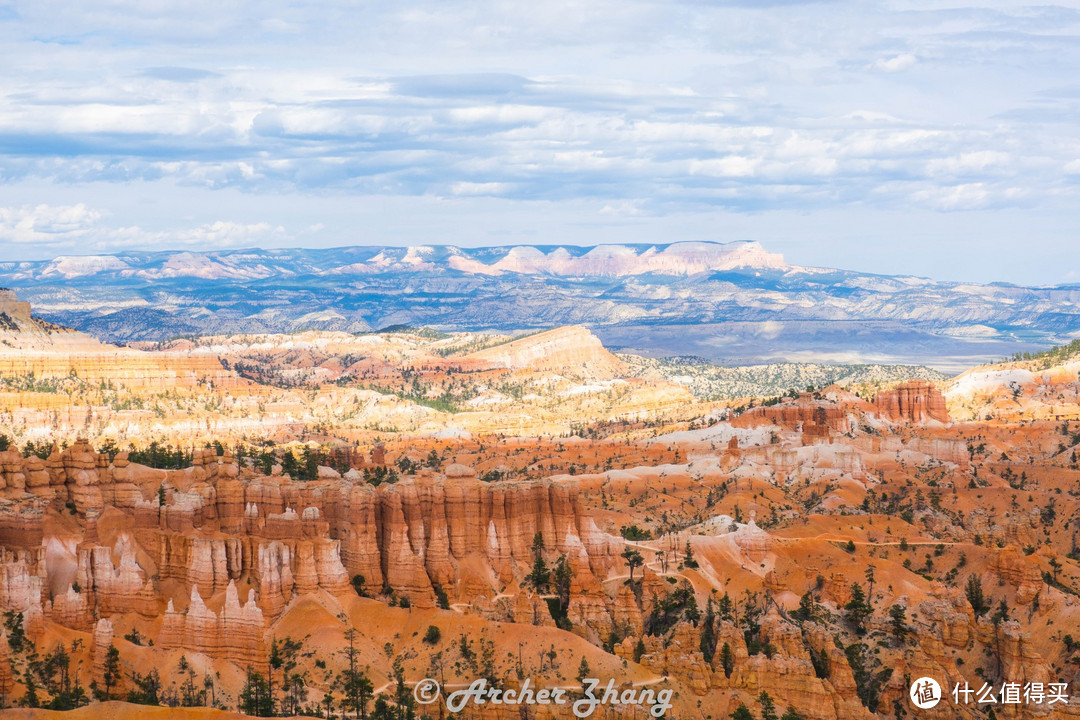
column 605, row 110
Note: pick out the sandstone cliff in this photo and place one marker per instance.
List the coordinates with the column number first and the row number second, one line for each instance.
column 916, row 401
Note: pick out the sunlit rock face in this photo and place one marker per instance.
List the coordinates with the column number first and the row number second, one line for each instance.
column 915, row 401
column 643, row 532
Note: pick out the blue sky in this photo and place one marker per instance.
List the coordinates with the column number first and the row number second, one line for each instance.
column 931, row 138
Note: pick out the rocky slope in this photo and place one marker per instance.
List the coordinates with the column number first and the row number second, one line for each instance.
column 710, row 381
column 754, row 534
column 1046, row 387
column 20, row 330
column 61, row 384
column 570, row 349
column 593, row 517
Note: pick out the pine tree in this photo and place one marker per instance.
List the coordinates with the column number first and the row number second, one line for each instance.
column 112, row 669
column 540, row 575
column 742, row 713
column 975, row 596
column 254, row 698
column 724, row 607
column 768, row 707
column 688, row 557
column 563, row 576
column 583, row 669
column 857, row 609
column 30, row 697
column 727, row 659
column 633, row 559
column 807, row 607
column 403, row 699
column 1001, row 614
column 708, row 632
column 898, row 622
column 355, row 685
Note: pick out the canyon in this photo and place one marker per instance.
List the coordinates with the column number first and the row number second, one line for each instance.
column 540, row 509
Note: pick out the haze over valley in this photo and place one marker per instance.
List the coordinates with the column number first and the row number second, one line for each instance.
column 733, row 303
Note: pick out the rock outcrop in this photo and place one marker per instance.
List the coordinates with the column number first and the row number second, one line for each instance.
column 572, row 348
column 180, row 542
column 915, row 401
column 102, row 641
column 236, row 633
column 805, row 413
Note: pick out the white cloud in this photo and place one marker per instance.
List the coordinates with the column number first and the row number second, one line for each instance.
column 480, row 188
column 730, row 166
column 668, row 108
column 897, row 63
column 46, row 223
column 969, row 163
column 78, row 227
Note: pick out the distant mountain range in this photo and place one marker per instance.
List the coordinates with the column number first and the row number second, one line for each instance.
column 730, row 302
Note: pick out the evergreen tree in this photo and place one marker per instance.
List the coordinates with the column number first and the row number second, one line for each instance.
column 30, row 697
column 708, row 633
column 112, row 669
column 807, row 607
column 583, row 669
column 382, row 710
column 289, row 466
column 405, row 702
column 1001, row 614
column 13, row 623
column 725, row 608
column 563, row 576
column 742, row 713
column 975, row 596
column 688, row 557
column 254, row 698
column 146, row 688
column 354, row 684
column 869, row 679
column 727, row 659
column 898, row 622
column 768, row 707
column 857, row 609
column 540, row 575
column 633, row 559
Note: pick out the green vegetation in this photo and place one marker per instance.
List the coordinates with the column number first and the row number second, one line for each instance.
column 858, row 609
column 1049, row 358
column 975, row 596
column 688, row 557
column 870, row 680
column 773, row 382
column 679, row 604
column 540, row 576
column 633, row 560
column 162, row 457
column 634, row 533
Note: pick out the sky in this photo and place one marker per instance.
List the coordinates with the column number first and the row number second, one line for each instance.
column 932, row 138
